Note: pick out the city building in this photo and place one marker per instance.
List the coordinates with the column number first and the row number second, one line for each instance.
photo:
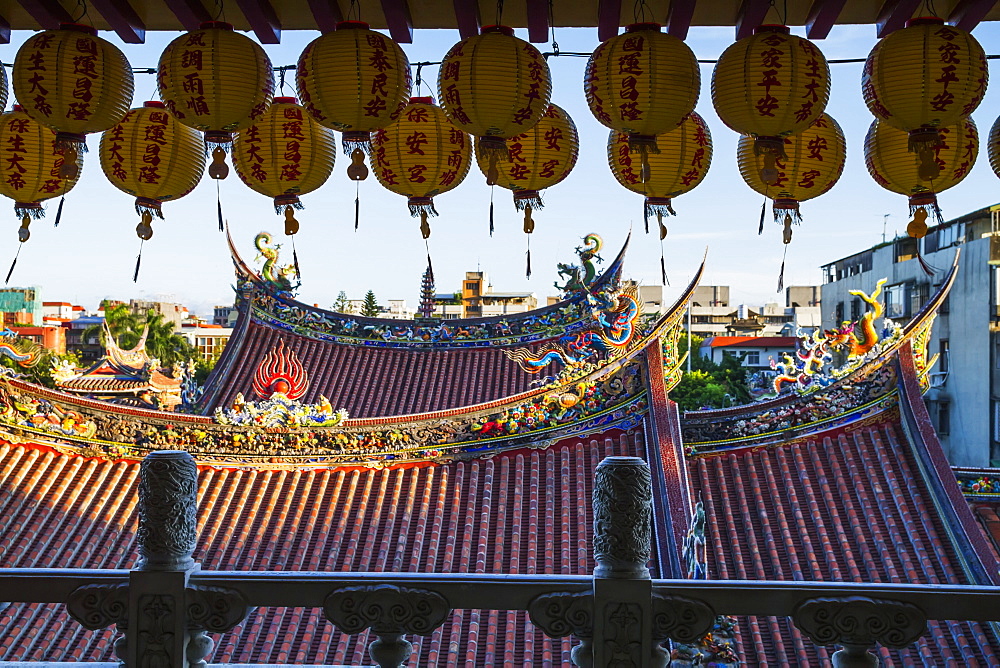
column 49, row 336
column 225, row 316
column 209, row 340
column 964, row 397
column 169, row 311
column 83, row 336
column 756, row 352
column 21, row 306
column 62, row 311
column 712, row 314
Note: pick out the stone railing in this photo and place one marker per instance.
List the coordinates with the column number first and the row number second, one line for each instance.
column 165, row 608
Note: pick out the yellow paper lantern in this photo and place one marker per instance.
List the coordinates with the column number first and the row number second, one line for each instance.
column 769, row 85
column 354, row 80
column 283, row 155
column 540, row 158
column 31, row 171
column 643, row 83
column 896, row 169
column 813, row 164
column 923, row 77
column 73, row 82
column 494, row 86
column 216, row 81
column 993, row 147
column 153, row 157
column 420, row 156
column 682, row 163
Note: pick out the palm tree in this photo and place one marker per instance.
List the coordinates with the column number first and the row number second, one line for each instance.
column 126, row 328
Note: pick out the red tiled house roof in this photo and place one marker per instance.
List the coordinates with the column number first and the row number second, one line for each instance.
column 71, row 511
column 870, row 502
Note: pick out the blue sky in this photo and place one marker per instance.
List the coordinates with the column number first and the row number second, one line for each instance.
column 91, row 255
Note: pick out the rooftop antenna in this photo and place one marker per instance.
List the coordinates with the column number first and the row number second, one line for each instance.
column 885, row 219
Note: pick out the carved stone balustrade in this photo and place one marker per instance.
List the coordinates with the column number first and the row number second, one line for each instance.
column 165, row 608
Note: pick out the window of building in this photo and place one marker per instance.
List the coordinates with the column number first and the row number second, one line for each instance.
column 752, row 358
column 943, row 352
column 906, row 248
column 895, row 301
column 855, row 309
column 838, row 314
column 919, row 294
column 944, row 417
column 472, row 286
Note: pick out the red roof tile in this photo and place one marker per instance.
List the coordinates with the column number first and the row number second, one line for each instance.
column 850, row 505
column 370, row 381
column 752, row 342
column 69, row 511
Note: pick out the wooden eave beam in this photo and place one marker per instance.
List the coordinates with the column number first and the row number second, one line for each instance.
column 679, row 17
column 263, row 20
column 326, row 13
column 48, row 13
column 397, row 17
column 822, row 15
column 538, row 20
column 191, row 13
column 122, row 19
column 966, row 14
column 467, row 17
column 894, row 15
column 609, row 14
column 750, row 15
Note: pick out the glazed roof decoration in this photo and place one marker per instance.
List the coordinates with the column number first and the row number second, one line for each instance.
column 280, row 372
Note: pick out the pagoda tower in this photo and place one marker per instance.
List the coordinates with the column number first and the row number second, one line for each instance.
column 427, row 291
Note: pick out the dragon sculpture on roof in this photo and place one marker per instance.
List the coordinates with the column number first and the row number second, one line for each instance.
column 811, row 368
column 610, row 327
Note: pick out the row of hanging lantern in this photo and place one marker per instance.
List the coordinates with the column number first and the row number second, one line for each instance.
column 217, row 85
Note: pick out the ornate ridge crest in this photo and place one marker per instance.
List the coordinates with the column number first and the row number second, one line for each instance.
column 280, row 372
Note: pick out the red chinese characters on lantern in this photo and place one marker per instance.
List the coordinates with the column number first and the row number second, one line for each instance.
column 381, row 163
column 536, row 75
column 85, row 66
column 115, row 152
column 155, row 138
column 457, row 139
column 291, row 132
column 14, row 151
column 591, row 80
column 948, row 58
column 625, row 160
column 379, row 62
column 770, row 61
column 253, row 141
column 814, row 72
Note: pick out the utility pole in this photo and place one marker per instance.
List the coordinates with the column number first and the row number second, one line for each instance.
column 689, row 338
column 885, row 219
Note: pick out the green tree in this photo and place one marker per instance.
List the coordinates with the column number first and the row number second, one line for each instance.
column 708, row 384
column 370, row 308
column 342, row 304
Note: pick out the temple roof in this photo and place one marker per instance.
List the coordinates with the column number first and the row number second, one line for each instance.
column 381, row 367
column 76, row 512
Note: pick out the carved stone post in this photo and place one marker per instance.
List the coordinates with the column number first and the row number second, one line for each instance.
column 158, row 633
column 623, row 614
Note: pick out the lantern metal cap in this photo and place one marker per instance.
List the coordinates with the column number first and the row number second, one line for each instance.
column 925, row 21
column 17, row 107
column 287, row 99
column 772, row 27
column 422, row 100
column 154, row 103
column 216, row 25
column 649, row 25
column 353, row 25
column 79, row 27
column 504, row 30
column 785, row 203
